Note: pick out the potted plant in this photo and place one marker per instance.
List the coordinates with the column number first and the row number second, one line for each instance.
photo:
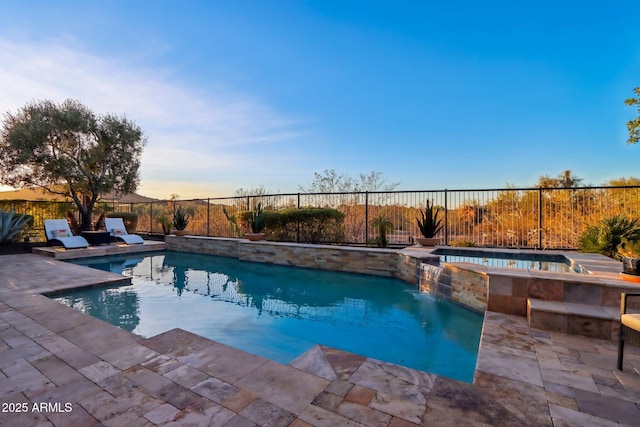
column 629, row 253
column 257, row 223
column 429, row 226
column 180, row 222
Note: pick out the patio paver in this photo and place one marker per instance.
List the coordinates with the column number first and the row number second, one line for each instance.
column 52, row 355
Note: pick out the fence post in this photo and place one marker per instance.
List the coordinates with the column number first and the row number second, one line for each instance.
column 208, row 217
column 366, row 217
column 151, row 218
column 298, row 223
column 540, row 218
column 446, row 217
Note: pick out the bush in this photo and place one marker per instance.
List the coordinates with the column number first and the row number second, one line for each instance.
column 606, row 236
column 464, row 243
column 312, row 225
column 130, row 220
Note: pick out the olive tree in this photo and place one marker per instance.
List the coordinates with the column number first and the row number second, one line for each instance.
column 68, row 150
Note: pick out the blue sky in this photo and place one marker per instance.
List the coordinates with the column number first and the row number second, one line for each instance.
column 433, row 94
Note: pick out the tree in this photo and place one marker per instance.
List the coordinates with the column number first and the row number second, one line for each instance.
column 634, row 125
column 66, row 149
column 564, row 180
column 329, row 181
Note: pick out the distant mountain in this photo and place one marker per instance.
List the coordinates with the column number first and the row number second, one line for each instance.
column 36, row 194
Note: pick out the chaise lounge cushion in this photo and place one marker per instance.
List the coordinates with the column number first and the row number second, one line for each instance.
column 631, row 320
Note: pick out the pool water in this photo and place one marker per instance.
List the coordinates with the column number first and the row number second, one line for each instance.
column 281, row 312
column 544, row 262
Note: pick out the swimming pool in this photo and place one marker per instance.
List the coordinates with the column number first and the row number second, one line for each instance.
column 522, row 260
column 280, row 312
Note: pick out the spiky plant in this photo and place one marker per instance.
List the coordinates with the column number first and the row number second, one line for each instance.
column 180, row 219
column 13, row 226
column 430, row 224
column 608, row 234
column 257, row 221
column 384, row 226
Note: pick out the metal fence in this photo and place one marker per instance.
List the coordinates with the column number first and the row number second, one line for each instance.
column 542, row 218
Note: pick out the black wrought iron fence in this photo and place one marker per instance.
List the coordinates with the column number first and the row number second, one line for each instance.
column 540, row 218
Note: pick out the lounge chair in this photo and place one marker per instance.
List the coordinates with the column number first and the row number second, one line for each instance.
column 115, row 226
column 629, row 326
column 58, row 230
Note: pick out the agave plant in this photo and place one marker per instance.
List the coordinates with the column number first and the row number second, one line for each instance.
column 430, row 224
column 180, row 219
column 13, row 226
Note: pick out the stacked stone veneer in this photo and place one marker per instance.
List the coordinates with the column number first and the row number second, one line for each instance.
column 374, row 261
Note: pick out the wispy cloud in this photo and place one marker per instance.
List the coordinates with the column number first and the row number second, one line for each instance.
column 212, row 132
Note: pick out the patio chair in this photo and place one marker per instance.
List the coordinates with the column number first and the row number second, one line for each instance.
column 58, row 230
column 629, row 326
column 116, row 227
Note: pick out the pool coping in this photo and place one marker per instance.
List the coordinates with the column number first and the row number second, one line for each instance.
column 523, row 374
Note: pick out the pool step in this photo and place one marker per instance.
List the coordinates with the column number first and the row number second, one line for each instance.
column 579, row 319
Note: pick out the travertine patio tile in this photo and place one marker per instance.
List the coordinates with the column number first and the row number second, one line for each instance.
column 216, row 390
column 98, row 371
column 147, row 379
column 223, row 362
column 77, row 417
column 360, row 394
column 77, row 357
column 239, row 401
column 315, row 362
column 117, row 385
column 565, row 417
column 129, row 355
column 74, row 391
column 339, row 387
column 394, row 380
column 176, row 343
column 344, row 364
column 319, row 417
column 363, row 414
column 510, row 363
column 574, row 379
column 203, row 413
column 328, row 401
column 391, row 404
column 186, row 376
column 240, row 421
column 284, row 386
column 31, row 419
column 162, row 414
column 621, row 411
column 177, row 395
column 267, row 414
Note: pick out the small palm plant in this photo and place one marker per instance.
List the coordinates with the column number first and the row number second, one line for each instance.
column 384, row 226
column 430, row 224
column 608, row 234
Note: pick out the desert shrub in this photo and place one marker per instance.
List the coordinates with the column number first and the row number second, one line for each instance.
column 312, row 225
column 606, row 236
column 464, row 243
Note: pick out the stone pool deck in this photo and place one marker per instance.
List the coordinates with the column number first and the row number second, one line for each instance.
column 80, row 371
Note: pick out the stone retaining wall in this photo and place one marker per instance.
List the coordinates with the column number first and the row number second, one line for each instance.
column 374, row 261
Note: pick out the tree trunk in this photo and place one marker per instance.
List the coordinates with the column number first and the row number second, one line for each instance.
column 85, row 218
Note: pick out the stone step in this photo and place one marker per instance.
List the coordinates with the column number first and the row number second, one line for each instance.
column 572, row 318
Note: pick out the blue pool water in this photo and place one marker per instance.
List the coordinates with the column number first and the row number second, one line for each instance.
column 528, row 261
column 280, row 312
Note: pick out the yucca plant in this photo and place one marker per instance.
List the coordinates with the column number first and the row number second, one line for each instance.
column 608, row 234
column 430, row 224
column 13, row 226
